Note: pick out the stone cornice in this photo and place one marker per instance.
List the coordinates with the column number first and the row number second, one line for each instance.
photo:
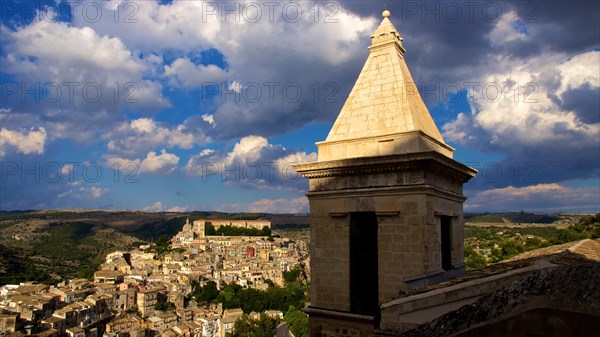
column 384, row 191
column 428, row 161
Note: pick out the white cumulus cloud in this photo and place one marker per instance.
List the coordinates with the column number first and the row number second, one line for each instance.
column 253, row 161
column 549, row 197
column 282, row 205
column 80, row 80
column 159, row 163
column 508, row 29
column 76, row 190
column 134, row 138
column 543, row 110
column 26, row 142
column 257, row 57
column 182, row 72
column 159, row 206
column 163, row 162
column 149, row 25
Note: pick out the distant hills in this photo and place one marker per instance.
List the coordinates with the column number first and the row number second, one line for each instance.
column 48, row 246
column 523, row 217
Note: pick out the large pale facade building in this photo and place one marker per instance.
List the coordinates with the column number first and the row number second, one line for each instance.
column 195, row 232
column 386, row 198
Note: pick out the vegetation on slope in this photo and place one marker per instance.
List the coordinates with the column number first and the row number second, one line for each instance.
column 245, row 326
column 493, row 244
column 16, row 267
column 233, row 296
column 297, row 321
column 286, row 299
column 162, row 246
column 47, row 246
column 36, row 246
column 587, row 228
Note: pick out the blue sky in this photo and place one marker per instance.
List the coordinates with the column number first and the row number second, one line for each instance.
column 203, row 105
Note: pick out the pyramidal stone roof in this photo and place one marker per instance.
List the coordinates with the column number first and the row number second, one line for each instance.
column 384, row 113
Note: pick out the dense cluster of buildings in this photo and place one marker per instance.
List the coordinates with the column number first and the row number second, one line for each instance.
column 140, row 293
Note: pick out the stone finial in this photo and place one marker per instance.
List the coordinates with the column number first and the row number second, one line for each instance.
column 386, row 32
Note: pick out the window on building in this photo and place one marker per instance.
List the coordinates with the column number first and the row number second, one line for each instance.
column 363, row 263
column 446, row 241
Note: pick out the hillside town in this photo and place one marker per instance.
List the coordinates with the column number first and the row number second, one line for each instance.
column 145, row 292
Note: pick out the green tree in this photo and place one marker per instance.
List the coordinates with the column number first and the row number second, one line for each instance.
column 592, row 220
column 473, row 260
column 535, row 243
column 228, row 296
column 86, row 273
column 162, row 241
column 205, row 294
column 496, row 255
column 209, row 230
column 588, row 227
column 265, row 326
column 568, row 235
column 292, row 275
column 276, row 298
column 237, row 231
column 511, row 248
column 161, row 246
column 245, row 326
column 266, row 231
column 164, row 306
column 297, row 321
column 596, row 232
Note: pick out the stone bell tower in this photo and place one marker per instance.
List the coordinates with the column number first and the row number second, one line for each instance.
column 386, row 200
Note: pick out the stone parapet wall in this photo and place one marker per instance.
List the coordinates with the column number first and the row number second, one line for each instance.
column 405, row 313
